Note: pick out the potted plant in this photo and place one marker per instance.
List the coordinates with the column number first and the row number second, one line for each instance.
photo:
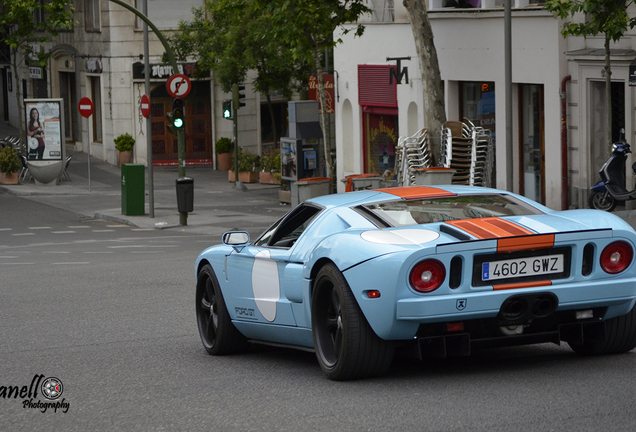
column 224, row 148
column 270, row 167
column 124, row 145
column 248, row 166
column 9, row 165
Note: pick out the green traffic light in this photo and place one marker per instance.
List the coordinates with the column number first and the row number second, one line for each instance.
column 227, row 114
column 178, row 122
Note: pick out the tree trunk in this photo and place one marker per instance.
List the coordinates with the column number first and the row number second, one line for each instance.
column 434, row 109
column 18, row 100
column 270, row 107
column 608, row 95
column 323, row 115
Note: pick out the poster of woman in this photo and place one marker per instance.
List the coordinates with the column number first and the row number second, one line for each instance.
column 43, row 129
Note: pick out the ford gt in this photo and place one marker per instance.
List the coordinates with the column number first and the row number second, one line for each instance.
column 439, row 270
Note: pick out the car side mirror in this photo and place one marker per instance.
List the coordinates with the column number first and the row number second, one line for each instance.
column 236, row 238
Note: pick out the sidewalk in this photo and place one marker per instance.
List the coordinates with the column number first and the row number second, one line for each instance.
column 218, row 205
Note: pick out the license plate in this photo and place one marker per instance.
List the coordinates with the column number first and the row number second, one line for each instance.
column 522, row 267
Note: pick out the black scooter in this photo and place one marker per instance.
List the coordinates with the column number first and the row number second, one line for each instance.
column 610, row 191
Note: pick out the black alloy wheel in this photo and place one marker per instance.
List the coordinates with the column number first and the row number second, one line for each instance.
column 218, row 334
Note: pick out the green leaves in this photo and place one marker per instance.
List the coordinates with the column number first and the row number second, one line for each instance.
column 608, row 17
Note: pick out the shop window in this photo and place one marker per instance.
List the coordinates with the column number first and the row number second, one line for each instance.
column 92, row 12
column 477, row 103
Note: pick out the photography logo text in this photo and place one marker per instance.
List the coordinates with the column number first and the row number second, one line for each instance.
column 50, row 389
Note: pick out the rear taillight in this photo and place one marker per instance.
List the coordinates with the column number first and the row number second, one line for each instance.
column 616, row 257
column 427, row 276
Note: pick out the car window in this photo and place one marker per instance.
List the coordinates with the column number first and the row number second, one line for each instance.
column 288, row 229
column 422, row 211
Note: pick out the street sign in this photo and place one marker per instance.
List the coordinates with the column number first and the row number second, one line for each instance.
column 178, row 85
column 85, row 107
column 145, row 106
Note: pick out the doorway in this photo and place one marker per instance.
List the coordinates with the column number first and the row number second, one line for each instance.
column 599, row 148
column 532, row 142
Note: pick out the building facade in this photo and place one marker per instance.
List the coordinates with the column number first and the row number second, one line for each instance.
column 558, row 84
column 102, row 58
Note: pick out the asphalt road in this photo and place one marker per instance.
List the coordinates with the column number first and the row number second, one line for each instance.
column 108, row 310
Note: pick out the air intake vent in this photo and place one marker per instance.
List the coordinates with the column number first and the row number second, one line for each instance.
column 455, row 273
column 588, row 259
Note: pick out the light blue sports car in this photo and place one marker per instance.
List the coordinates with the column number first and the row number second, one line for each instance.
column 438, row 270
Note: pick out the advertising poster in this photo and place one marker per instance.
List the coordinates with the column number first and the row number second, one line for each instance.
column 44, row 129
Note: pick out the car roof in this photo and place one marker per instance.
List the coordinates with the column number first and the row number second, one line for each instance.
column 406, row 192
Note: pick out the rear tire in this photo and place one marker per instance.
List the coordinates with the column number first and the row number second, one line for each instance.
column 602, row 201
column 218, row 334
column 620, row 337
column 346, row 346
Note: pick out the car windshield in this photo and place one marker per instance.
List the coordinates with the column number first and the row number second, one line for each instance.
column 429, row 210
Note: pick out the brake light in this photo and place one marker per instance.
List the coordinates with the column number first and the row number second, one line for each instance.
column 427, row 276
column 616, row 257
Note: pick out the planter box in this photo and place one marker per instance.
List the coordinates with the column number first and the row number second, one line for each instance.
column 224, row 161
column 9, row 179
column 243, row 176
column 124, row 157
column 265, row 177
column 284, row 196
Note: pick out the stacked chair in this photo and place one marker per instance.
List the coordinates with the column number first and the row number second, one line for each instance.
column 412, row 153
column 456, row 150
column 466, row 148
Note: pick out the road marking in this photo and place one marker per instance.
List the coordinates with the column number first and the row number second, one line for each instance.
column 23, row 234
column 77, row 226
column 103, row 231
column 70, row 263
column 15, row 263
column 39, row 228
column 117, row 226
column 6, row 229
column 7, row 256
column 63, row 232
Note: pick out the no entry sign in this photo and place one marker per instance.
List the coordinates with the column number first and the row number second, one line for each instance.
column 86, row 107
column 145, row 106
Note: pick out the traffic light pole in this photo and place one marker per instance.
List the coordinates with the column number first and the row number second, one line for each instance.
column 235, row 106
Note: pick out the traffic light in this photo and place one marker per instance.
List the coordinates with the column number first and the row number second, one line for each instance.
column 227, row 109
column 237, row 95
column 177, row 112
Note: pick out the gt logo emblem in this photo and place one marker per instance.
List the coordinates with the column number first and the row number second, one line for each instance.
column 461, row 304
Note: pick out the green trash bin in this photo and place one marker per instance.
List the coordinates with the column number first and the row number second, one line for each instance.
column 133, row 190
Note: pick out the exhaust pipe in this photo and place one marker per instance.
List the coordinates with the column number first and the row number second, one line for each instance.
column 521, row 309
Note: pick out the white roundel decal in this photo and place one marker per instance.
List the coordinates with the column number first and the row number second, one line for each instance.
column 400, row 237
column 265, row 284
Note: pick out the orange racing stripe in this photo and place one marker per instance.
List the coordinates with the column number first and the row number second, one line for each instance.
column 521, row 285
column 524, row 243
column 413, row 192
column 489, row 228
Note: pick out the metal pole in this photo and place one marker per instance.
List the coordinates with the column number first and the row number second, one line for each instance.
column 508, row 91
column 151, row 189
column 88, row 141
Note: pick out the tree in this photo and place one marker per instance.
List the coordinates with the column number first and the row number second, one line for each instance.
column 307, row 29
column 434, row 108
column 231, row 37
column 607, row 17
column 24, row 23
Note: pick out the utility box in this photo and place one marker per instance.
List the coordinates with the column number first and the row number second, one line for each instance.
column 133, row 190
column 185, row 194
column 308, row 188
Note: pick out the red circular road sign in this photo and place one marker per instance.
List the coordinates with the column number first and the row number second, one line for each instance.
column 145, row 106
column 178, row 85
column 86, row 107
